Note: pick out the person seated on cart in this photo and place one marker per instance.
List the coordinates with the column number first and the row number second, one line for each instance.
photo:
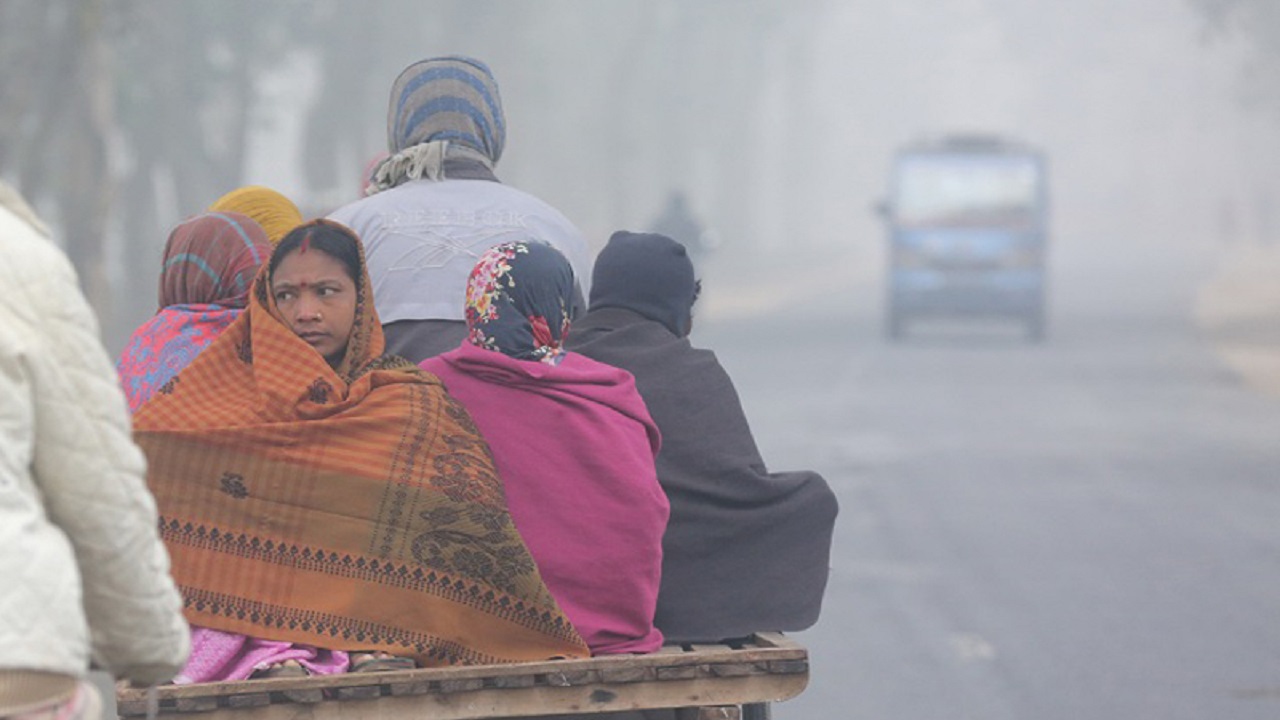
column 85, row 574
column 572, row 442
column 434, row 204
column 330, row 506
column 209, row 262
column 746, row 549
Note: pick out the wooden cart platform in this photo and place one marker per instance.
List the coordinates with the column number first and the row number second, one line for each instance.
column 708, row 680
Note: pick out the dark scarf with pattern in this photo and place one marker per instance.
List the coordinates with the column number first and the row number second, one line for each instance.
column 518, row 300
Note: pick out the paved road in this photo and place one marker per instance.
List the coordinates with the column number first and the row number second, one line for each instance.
column 1084, row 529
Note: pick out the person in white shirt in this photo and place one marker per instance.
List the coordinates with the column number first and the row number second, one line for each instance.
column 434, row 206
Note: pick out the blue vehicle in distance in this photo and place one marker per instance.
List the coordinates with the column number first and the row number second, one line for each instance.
column 967, row 224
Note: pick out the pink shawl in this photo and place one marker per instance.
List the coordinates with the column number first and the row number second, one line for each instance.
column 574, row 446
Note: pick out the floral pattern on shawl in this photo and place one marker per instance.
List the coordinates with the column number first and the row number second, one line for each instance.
column 208, row 267
column 167, row 343
column 518, row 298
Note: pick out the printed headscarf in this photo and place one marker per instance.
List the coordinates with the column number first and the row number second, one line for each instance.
column 518, row 300
column 211, row 259
column 443, row 111
column 209, row 263
column 273, row 211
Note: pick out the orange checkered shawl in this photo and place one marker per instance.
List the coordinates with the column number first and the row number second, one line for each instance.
column 352, row 508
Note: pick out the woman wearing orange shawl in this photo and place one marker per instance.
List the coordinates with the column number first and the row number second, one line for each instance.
column 313, row 490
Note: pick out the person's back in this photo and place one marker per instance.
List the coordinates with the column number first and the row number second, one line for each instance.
column 436, row 204
column 572, row 442
column 745, row 550
column 85, row 572
column 209, row 263
column 422, row 239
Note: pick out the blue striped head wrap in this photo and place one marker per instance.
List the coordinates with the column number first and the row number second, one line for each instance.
column 452, row 98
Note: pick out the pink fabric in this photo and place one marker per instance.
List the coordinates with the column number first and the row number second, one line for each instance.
column 575, row 448
column 217, row 656
column 167, row 343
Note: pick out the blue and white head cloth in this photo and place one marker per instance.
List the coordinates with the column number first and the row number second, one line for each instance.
column 442, row 108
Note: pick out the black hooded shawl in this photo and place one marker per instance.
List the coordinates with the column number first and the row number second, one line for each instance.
column 745, row 550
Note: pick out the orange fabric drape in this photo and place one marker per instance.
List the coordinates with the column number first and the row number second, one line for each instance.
column 354, row 508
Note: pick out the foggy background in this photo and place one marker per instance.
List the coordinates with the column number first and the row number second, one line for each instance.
column 119, row 119
column 779, row 119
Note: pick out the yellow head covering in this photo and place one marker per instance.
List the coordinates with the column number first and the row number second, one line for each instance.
column 274, row 212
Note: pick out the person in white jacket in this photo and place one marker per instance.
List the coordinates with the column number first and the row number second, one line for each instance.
column 86, row 578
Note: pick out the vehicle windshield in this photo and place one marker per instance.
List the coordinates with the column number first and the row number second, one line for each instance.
column 967, row 190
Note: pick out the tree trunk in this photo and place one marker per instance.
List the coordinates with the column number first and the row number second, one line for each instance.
column 85, row 171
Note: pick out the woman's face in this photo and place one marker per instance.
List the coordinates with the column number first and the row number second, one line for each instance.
column 317, row 298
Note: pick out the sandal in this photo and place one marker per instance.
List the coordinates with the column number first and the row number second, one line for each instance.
column 292, row 669
column 379, row 662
